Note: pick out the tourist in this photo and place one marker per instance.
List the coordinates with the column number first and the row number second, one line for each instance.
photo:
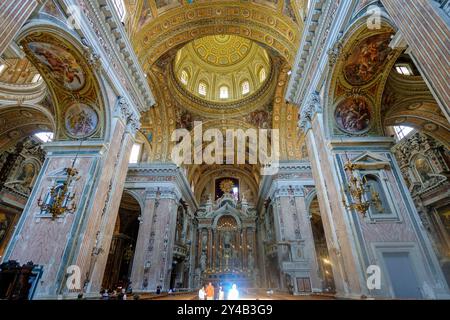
column 233, row 294
column 201, row 293
column 105, row 295
column 221, row 293
column 210, row 292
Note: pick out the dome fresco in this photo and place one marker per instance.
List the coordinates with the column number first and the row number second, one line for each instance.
column 222, row 68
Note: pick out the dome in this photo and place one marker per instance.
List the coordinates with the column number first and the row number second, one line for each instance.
column 222, row 68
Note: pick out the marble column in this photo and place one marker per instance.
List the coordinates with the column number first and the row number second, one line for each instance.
column 425, row 28
column 154, row 250
column 164, row 186
column 82, row 238
column 293, row 233
column 356, row 241
column 13, row 15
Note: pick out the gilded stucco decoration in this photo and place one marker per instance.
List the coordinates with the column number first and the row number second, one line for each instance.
column 71, row 82
column 191, row 36
column 361, row 69
column 222, row 61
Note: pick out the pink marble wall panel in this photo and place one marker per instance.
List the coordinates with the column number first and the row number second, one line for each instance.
column 43, row 240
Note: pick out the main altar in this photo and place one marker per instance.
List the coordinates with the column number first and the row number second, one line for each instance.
column 226, row 245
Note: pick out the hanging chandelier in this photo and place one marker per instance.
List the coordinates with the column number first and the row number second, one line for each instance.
column 60, row 200
column 359, row 191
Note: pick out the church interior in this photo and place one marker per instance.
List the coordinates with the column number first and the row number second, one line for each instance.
column 299, row 149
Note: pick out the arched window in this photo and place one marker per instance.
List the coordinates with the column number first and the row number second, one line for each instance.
column 245, row 87
column 184, row 77
column 202, row 88
column 402, row 131
column 135, row 153
column 223, row 92
column 262, row 75
column 44, row 136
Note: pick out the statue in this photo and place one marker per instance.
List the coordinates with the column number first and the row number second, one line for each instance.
column 3, row 228
column 251, row 261
column 203, row 261
column 204, row 240
column 227, row 239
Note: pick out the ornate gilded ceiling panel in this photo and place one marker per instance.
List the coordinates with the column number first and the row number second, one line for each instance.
column 207, row 66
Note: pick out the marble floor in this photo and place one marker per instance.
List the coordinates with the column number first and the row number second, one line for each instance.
column 275, row 296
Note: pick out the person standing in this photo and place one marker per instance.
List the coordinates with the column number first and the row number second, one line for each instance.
column 221, row 293
column 233, row 294
column 201, row 293
column 210, row 292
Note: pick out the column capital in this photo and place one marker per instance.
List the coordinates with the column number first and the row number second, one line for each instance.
column 312, row 105
column 163, row 192
column 124, row 111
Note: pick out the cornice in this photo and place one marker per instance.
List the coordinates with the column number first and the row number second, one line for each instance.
column 278, row 185
column 108, row 23
column 310, row 32
column 323, row 29
column 234, row 108
column 33, row 92
column 163, row 174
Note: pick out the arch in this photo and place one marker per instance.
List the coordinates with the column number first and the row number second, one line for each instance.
column 266, row 26
column 228, row 213
column 20, row 121
column 262, row 75
column 245, row 87
column 74, row 85
column 202, row 88
column 133, row 194
column 224, row 92
column 359, row 77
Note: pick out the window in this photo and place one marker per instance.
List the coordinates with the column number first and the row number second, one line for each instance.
column 184, row 77
column 245, row 87
column 135, row 153
column 120, row 9
column 402, row 131
column 202, row 89
column 235, row 193
column 262, row 75
column 404, row 69
column 36, row 78
column 44, row 136
column 223, row 92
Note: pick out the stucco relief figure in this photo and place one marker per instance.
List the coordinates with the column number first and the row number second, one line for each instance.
column 81, row 120
column 61, row 64
column 3, row 227
column 204, row 241
column 423, row 168
column 367, row 59
column 26, row 177
column 353, row 115
column 251, row 261
column 203, row 261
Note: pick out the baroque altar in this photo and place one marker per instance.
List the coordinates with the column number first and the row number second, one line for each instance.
column 226, row 233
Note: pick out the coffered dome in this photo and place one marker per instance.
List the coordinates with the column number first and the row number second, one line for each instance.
column 222, row 68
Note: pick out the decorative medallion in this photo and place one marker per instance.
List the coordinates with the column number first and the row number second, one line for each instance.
column 353, row 115
column 430, row 127
column 81, row 120
column 226, row 185
column 367, row 59
column 61, row 65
